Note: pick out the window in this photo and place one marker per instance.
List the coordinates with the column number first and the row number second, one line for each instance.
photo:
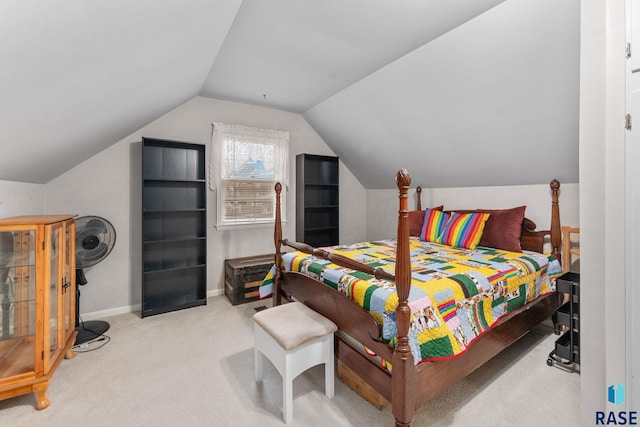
column 247, row 164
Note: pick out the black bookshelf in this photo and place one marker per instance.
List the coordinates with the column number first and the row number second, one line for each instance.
column 174, row 226
column 317, row 200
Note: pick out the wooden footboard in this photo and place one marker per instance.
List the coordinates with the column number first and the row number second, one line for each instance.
column 408, row 386
column 432, row 378
column 346, row 314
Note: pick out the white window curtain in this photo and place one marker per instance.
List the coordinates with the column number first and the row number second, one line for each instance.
column 247, row 162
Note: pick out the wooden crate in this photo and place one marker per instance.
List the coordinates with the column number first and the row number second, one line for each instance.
column 358, row 385
column 243, row 277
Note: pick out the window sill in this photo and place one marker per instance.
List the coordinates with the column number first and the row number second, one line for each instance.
column 246, row 225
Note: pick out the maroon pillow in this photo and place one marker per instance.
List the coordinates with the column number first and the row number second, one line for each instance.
column 503, row 228
column 416, row 218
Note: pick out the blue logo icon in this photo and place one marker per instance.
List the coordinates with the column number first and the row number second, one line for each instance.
column 615, row 394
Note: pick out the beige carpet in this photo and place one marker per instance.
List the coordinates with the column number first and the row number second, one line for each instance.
column 195, row 368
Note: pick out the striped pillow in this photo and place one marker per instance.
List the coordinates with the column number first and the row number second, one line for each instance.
column 463, row 230
column 433, row 224
column 416, row 219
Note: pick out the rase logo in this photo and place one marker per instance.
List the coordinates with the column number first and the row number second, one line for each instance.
column 615, row 395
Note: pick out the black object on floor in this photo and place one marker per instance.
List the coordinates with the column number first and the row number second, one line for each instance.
column 90, row 330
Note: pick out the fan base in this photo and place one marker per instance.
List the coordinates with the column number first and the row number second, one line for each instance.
column 90, row 330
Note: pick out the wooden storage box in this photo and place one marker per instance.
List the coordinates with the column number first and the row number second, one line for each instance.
column 358, row 385
column 243, row 277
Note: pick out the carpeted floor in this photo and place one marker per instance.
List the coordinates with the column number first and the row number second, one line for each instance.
column 195, row 368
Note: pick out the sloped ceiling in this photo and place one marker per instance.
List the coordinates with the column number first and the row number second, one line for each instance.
column 78, row 76
column 293, row 54
column 460, row 92
column 493, row 102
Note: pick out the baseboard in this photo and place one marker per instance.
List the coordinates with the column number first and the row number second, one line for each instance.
column 101, row 314
column 215, row 293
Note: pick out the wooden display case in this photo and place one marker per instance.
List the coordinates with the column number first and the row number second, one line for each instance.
column 37, row 302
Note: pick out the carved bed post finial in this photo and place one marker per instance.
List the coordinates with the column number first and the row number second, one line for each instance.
column 402, row 359
column 556, row 232
column 277, row 240
column 419, row 197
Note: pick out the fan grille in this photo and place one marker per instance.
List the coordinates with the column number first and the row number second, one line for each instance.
column 95, row 238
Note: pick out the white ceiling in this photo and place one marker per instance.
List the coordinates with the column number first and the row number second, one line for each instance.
column 457, row 91
column 299, row 53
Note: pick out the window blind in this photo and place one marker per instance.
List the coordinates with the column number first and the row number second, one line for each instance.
column 249, row 162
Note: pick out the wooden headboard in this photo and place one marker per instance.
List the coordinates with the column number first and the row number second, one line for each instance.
column 531, row 239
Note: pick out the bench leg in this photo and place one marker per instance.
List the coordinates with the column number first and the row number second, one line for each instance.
column 287, row 389
column 329, row 371
column 258, row 366
column 328, row 381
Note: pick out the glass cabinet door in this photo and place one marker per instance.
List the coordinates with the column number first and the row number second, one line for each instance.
column 54, row 248
column 68, row 279
column 17, row 301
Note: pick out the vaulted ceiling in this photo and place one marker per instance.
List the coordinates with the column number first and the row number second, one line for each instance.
column 461, row 92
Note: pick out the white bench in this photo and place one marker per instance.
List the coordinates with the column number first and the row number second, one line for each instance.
column 294, row 338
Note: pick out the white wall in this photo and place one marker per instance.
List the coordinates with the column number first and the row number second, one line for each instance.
column 108, row 185
column 602, row 240
column 19, row 198
column 382, row 205
column 100, row 186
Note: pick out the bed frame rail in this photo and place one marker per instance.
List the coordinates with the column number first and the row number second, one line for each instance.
column 340, row 260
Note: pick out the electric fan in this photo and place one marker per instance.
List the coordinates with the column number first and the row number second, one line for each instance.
column 95, row 237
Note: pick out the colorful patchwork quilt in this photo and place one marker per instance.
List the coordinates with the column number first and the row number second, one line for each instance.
column 456, row 294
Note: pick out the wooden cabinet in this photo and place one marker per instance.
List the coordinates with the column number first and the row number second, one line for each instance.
column 37, row 302
column 317, row 200
column 174, row 226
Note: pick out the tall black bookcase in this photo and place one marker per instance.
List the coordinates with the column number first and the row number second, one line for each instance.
column 174, row 226
column 317, row 200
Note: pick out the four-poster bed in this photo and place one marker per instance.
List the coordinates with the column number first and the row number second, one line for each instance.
column 407, row 384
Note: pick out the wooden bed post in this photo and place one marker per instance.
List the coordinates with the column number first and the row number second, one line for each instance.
column 419, row 197
column 277, row 239
column 403, row 405
column 556, row 232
